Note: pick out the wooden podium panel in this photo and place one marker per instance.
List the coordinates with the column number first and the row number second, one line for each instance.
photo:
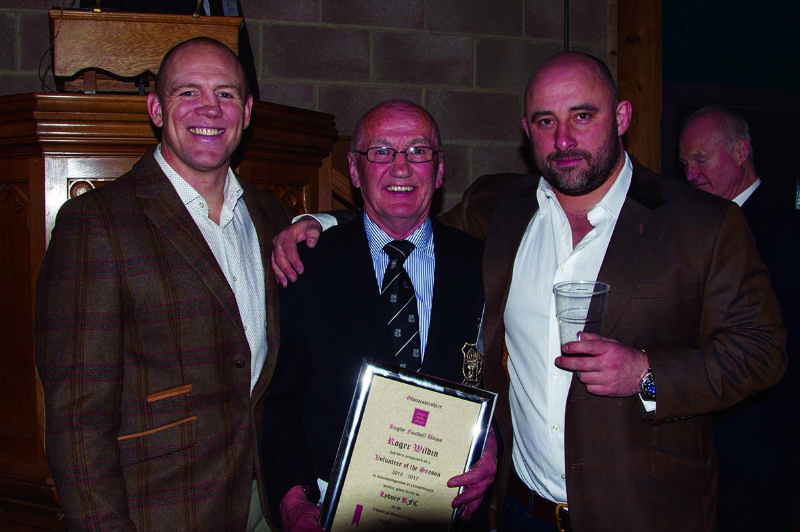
column 54, row 147
column 87, row 45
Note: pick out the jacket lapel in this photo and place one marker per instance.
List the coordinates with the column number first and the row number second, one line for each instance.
column 635, row 235
column 256, row 208
column 505, row 233
column 450, row 276
column 162, row 205
column 351, row 279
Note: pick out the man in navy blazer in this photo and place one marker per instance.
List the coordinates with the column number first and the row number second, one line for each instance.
column 757, row 439
column 334, row 316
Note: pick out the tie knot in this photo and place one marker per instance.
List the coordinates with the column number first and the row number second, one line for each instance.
column 398, row 250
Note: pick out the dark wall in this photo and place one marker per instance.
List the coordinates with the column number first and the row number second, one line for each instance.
column 743, row 55
column 738, row 43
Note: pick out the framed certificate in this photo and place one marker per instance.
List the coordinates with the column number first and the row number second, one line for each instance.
column 405, row 436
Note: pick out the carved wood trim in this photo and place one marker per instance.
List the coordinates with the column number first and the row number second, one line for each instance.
column 127, row 44
column 17, row 190
column 294, row 196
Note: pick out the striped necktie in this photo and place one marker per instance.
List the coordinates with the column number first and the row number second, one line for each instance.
column 401, row 303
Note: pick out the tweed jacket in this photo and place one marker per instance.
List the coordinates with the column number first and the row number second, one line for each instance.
column 687, row 287
column 144, row 362
column 333, row 317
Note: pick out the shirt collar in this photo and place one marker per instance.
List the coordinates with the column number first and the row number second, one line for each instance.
column 609, row 207
column 422, row 237
column 232, row 190
column 746, row 193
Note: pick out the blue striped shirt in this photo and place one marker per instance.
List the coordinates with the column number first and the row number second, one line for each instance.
column 420, row 266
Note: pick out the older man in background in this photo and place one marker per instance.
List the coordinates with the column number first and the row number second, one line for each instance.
column 757, row 439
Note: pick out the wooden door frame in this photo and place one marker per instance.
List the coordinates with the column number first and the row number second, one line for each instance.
column 635, row 44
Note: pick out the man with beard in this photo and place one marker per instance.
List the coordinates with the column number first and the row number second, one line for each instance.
column 614, row 433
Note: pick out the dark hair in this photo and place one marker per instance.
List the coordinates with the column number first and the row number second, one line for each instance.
column 358, row 131
column 165, row 62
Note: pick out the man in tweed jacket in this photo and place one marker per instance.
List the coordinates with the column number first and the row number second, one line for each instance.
column 156, row 321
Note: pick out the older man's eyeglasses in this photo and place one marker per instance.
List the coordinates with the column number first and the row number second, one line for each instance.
column 414, row 154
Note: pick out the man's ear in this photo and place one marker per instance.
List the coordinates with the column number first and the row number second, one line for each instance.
column 525, row 127
column 248, row 107
column 624, row 114
column 352, row 161
column 439, row 170
column 154, row 109
column 741, row 151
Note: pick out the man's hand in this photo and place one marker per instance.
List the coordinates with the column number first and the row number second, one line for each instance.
column 611, row 369
column 298, row 514
column 286, row 262
column 477, row 480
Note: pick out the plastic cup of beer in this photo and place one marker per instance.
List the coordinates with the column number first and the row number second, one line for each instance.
column 580, row 307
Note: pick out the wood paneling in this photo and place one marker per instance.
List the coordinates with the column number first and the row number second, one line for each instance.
column 90, row 47
column 639, row 76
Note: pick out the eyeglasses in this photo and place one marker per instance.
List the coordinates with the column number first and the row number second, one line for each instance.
column 414, row 154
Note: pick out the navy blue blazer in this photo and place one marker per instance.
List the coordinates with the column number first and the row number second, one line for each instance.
column 758, row 438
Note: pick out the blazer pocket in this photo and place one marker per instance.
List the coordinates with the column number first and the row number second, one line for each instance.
column 685, row 473
column 157, row 442
column 171, row 392
column 667, row 290
column 168, row 436
column 157, row 429
column 672, row 312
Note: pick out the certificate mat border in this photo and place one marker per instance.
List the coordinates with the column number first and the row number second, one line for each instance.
column 371, row 369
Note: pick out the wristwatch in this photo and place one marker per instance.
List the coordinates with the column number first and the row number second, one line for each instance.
column 648, row 386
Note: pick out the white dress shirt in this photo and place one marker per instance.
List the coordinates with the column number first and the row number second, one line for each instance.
column 746, row 193
column 234, row 244
column 538, row 389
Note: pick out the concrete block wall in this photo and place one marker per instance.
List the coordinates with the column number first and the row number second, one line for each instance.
column 466, row 61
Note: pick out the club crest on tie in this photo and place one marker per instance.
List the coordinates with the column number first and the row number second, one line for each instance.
column 472, row 368
column 398, row 294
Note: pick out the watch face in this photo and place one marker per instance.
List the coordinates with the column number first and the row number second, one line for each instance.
column 648, row 386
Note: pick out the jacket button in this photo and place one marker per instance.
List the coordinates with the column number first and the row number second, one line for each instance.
column 238, row 362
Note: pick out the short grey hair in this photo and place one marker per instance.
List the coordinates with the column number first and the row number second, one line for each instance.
column 358, row 131
column 732, row 126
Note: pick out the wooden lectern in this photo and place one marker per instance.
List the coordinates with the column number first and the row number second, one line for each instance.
column 110, row 52
column 56, row 146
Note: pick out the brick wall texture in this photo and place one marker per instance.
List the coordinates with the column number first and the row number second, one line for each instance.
column 466, row 61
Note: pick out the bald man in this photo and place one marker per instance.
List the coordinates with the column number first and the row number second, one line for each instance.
column 616, row 426
column 157, row 324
